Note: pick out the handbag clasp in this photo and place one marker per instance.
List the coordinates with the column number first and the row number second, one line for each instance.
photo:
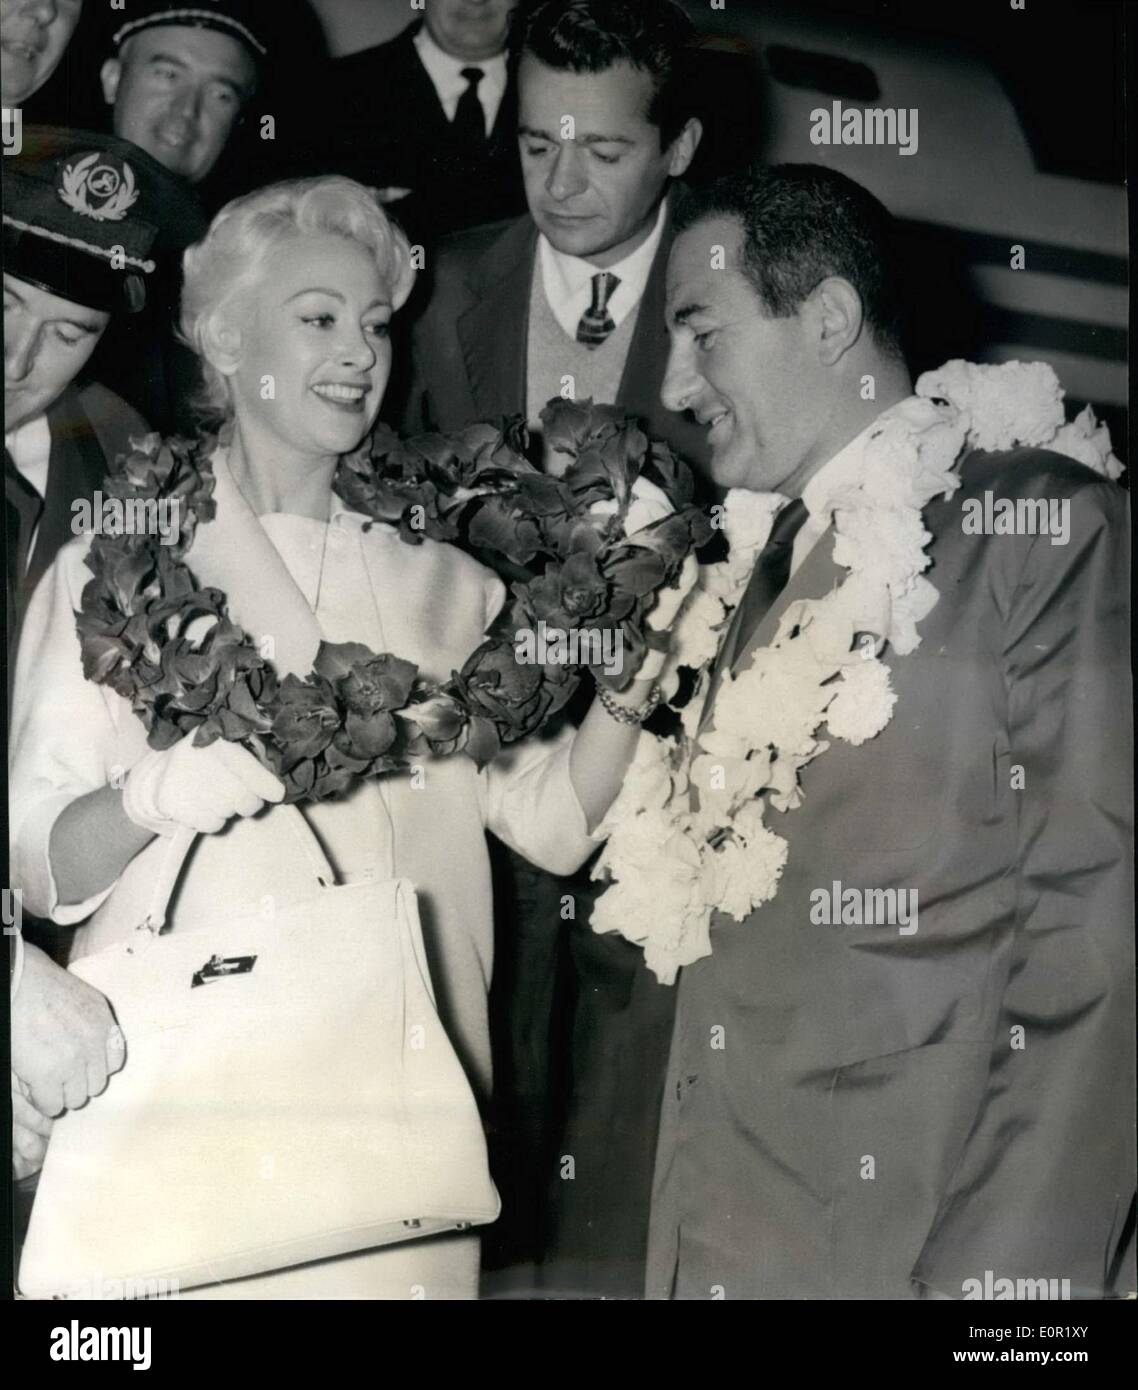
column 219, row 966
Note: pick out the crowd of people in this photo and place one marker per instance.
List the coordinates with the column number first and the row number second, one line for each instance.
column 502, row 197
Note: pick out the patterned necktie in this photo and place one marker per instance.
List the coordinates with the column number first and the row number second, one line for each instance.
column 469, row 123
column 596, row 322
column 768, row 579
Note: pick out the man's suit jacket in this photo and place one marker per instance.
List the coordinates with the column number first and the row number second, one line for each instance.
column 393, row 132
column 874, row 1126
column 469, row 346
column 89, row 428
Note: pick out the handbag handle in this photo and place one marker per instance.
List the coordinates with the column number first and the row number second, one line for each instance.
column 181, row 842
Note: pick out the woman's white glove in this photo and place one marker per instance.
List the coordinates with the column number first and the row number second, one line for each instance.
column 200, row 788
column 669, row 601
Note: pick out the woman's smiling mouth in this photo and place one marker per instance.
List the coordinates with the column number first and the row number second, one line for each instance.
column 342, row 396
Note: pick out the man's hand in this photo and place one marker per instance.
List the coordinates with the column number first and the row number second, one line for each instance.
column 65, row 1041
column 30, row 1133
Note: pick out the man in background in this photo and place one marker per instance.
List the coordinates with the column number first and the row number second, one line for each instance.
column 180, row 77
column 574, row 289
column 177, row 83
column 432, row 117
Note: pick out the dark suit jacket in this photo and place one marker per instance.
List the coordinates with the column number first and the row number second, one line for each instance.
column 89, row 428
column 846, row 1046
column 393, row 132
column 469, row 346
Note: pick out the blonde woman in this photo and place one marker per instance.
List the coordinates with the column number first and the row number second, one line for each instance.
column 288, row 300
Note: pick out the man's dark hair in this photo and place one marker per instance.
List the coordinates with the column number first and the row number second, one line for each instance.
column 802, row 223
column 655, row 36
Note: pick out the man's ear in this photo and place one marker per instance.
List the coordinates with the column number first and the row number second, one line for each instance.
column 110, row 74
column 683, row 147
column 839, row 318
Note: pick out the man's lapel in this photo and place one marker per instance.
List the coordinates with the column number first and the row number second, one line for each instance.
column 505, row 131
column 76, row 469
column 419, row 94
column 493, row 332
column 814, row 579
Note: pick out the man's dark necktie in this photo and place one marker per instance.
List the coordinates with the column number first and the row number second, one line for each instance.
column 768, row 579
column 596, row 322
column 469, row 124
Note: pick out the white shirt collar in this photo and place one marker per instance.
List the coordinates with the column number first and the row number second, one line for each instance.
column 568, row 280
column 844, row 468
column 446, row 76
column 30, row 447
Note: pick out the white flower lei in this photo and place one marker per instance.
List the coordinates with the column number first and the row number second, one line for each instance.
column 671, row 866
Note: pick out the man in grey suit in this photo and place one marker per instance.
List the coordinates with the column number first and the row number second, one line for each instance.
column 569, row 300
column 892, row 1114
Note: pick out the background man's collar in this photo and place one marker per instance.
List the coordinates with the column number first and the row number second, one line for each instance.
column 442, row 67
column 567, row 279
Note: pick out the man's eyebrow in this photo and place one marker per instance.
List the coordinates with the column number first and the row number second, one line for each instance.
column 172, row 58
column 83, row 325
column 681, row 316
column 592, row 139
column 241, row 88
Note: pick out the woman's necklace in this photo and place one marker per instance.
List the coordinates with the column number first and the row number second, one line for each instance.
column 320, row 572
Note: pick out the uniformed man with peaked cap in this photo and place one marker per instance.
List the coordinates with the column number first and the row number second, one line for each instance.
column 81, row 218
column 181, row 75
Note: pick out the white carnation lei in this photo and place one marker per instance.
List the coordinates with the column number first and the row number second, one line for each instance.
column 673, row 866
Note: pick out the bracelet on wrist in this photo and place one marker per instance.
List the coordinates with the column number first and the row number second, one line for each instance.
column 626, row 714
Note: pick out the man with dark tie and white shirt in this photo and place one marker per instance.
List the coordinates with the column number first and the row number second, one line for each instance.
column 571, row 299
column 431, row 117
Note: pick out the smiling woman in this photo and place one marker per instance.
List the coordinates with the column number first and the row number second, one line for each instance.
column 265, row 307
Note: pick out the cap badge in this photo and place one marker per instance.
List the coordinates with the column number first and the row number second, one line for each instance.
column 98, row 186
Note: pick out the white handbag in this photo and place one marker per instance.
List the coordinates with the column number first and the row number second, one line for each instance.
column 289, row 1094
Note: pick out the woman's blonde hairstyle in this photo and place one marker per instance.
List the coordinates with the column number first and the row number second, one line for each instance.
column 235, row 255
